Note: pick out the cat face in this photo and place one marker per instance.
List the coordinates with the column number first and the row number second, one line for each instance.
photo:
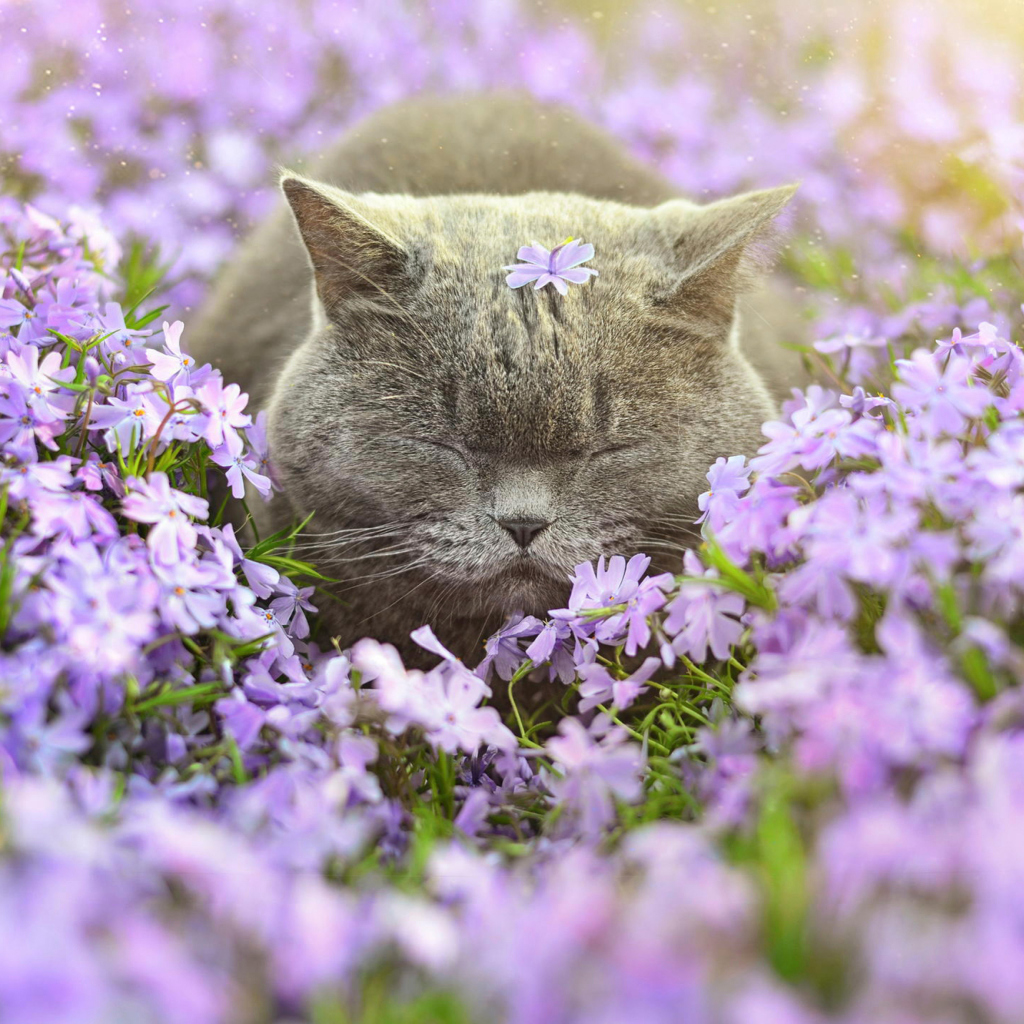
column 453, row 434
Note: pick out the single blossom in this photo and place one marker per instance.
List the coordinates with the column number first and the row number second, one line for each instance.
column 559, row 266
column 172, row 534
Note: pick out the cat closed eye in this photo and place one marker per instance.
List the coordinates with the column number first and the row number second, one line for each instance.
column 616, row 449
column 462, row 454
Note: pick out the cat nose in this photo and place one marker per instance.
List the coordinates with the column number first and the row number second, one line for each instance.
column 523, row 531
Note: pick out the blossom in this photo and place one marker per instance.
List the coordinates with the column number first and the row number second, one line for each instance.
column 942, row 396
column 172, row 364
column 502, row 650
column 239, row 469
column 223, row 406
column 154, row 501
column 41, row 382
column 594, row 773
column 702, row 617
column 600, row 686
column 728, row 478
column 559, row 266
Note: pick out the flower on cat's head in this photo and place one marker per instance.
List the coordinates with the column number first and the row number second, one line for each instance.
column 559, row 266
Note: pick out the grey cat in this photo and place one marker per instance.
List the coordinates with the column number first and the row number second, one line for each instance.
column 464, row 444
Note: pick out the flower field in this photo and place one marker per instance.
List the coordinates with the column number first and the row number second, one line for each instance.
column 783, row 785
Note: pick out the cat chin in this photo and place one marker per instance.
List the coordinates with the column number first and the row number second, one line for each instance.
column 527, row 586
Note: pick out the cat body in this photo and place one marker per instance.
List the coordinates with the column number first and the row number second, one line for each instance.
column 462, row 443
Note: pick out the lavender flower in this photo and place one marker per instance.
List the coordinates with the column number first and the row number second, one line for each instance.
column 172, row 534
column 559, row 266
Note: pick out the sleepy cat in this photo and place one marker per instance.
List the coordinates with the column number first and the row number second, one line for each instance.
column 464, row 444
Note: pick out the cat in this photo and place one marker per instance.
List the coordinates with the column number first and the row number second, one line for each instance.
column 464, row 444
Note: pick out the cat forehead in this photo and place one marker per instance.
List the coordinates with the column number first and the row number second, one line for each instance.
column 499, row 225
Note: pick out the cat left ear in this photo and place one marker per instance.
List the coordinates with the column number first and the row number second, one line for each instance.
column 351, row 257
column 720, row 249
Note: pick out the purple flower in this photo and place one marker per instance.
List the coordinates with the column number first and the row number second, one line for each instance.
column 172, row 535
column 559, row 266
column 223, row 406
column 174, row 365
column 942, row 397
column 456, row 721
column 127, row 346
column 128, row 421
column 728, row 478
column 599, row 686
column 503, row 651
column 703, row 617
column 241, row 718
column 239, row 469
column 41, row 382
column 593, row 774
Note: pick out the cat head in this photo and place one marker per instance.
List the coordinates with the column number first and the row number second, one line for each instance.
column 486, row 439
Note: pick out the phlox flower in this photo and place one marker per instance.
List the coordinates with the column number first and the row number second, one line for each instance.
column 239, row 469
column 125, row 345
column 457, row 722
column 106, row 615
column 939, row 392
column 337, row 696
column 192, row 594
column 859, row 355
column 620, row 582
column 443, row 702
column 128, row 422
column 703, row 617
column 593, row 774
column 173, row 365
column 502, row 649
column 860, row 403
column 96, row 474
column 559, row 266
column 397, row 690
column 74, row 514
column 554, row 645
column 223, row 406
column 729, row 478
column 46, row 744
column 172, row 535
column 813, row 441
column 756, row 524
column 21, row 425
column 41, row 382
column 59, row 304
column 272, row 626
column 242, row 719
column 351, row 783
column 14, row 313
column 599, row 686
column 262, row 578
column 290, row 607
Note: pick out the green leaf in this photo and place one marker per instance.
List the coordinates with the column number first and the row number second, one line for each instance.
column 202, row 694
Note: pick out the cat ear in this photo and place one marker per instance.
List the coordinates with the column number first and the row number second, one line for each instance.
column 351, row 257
column 720, row 249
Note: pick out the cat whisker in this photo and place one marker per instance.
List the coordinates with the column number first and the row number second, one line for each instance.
column 336, row 543
column 356, row 530
column 386, row 553
column 401, row 598
column 384, row 574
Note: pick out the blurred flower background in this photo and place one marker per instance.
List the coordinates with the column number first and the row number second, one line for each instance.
column 783, row 785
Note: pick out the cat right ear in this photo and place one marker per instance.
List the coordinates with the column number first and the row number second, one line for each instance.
column 351, row 257
column 719, row 251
